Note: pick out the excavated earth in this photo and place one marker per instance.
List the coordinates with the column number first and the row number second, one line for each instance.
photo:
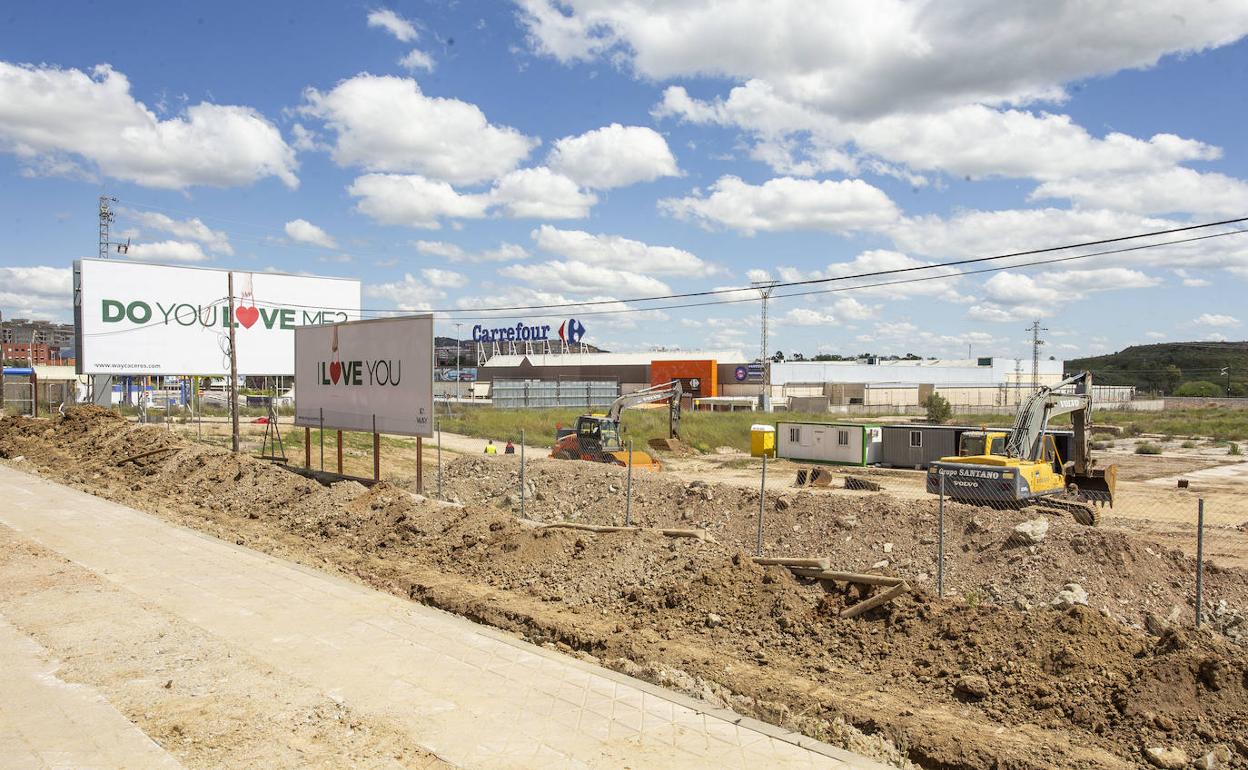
column 972, row 681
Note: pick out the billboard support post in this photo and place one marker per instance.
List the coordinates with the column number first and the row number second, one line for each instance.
column 321, row 435
column 233, row 370
column 307, row 447
column 339, row 453
column 420, row 465
column 376, row 452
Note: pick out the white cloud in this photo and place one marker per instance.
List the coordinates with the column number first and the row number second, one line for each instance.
column 616, row 251
column 854, row 310
column 605, row 312
column 167, row 251
column 41, row 292
column 787, row 204
column 871, row 59
column 802, row 316
column 967, row 141
column 413, row 201
column 542, row 194
column 303, row 231
column 385, row 123
column 577, row 277
column 417, row 59
column 504, row 252
column 391, row 22
column 339, row 259
column 444, row 279
column 214, row 240
column 1155, row 335
column 53, row 119
column 897, row 266
column 1012, row 296
column 613, row 156
column 994, row 313
column 1217, row 320
column 416, row 201
column 1161, row 192
column 407, row 294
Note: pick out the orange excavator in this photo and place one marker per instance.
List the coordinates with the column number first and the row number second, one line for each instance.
column 596, row 437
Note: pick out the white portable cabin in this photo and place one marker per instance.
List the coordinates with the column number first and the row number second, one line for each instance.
column 835, row 443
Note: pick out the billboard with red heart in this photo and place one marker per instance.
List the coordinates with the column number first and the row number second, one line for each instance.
column 138, row 318
column 374, row 375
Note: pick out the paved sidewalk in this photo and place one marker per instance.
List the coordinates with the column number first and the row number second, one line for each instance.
column 474, row 696
column 47, row 723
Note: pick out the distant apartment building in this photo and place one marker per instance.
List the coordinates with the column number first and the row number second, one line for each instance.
column 39, row 342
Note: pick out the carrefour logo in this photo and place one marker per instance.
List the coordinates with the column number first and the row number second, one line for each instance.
column 571, row 331
column 140, row 313
column 348, row 373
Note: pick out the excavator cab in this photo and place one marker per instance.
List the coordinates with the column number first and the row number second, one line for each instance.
column 597, row 434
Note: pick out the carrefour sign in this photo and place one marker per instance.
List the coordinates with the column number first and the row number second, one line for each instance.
column 135, row 318
column 571, row 331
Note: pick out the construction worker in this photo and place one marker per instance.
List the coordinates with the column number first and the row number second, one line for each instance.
column 510, row 449
column 490, row 449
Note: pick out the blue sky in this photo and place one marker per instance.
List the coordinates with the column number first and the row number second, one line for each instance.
column 467, row 155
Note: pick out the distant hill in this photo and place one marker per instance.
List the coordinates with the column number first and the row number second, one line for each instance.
column 1162, row 368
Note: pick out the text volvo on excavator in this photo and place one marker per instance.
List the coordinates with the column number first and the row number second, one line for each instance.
column 1023, row 467
column 596, row 437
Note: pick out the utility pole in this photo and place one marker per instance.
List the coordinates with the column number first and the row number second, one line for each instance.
column 1226, row 372
column 1036, row 342
column 1018, row 379
column 233, row 369
column 765, row 288
column 459, row 372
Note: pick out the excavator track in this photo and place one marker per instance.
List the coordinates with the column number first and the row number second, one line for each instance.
column 1083, row 512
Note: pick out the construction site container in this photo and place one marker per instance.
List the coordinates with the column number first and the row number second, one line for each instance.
column 829, row 442
column 762, row 440
column 915, row 446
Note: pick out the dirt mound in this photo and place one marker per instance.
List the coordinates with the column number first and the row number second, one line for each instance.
column 1136, row 581
column 958, row 684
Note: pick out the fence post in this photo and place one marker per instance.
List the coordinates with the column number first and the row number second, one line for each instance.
column 1200, row 560
column 628, row 489
column 940, row 541
column 762, row 501
column 522, row 473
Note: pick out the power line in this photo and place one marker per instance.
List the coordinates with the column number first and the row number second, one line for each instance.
column 812, row 281
column 459, row 312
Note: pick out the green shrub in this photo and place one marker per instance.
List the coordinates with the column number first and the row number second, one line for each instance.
column 1234, row 450
column 1101, row 445
column 1147, row 448
column 1199, row 389
column 1189, row 444
column 1132, row 429
column 938, row 409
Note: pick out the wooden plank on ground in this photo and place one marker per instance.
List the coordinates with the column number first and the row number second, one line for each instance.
column 875, row 601
column 846, row 577
column 793, row 561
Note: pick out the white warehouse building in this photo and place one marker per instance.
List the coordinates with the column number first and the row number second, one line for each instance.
column 904, row 384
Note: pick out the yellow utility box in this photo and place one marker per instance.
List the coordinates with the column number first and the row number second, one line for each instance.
column 762, row 440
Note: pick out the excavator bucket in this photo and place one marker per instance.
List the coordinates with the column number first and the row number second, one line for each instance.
column 1099, row 486
column 641, row 460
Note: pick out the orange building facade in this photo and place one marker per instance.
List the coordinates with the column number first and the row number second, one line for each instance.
column 698, row 378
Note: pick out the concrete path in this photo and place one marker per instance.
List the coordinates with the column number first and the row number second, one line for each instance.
column 473, row 696
column 47, row 723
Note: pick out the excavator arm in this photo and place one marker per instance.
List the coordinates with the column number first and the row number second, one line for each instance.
column 649, row 395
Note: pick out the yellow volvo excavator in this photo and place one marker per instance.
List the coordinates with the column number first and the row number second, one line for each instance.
column 596, row 437
column 1023, row 466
